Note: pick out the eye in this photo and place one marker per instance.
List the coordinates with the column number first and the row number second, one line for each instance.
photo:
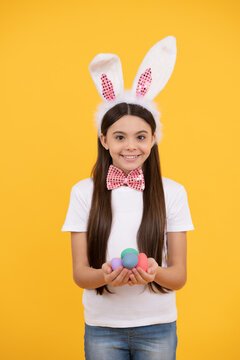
column 141, row 137
column 119, row 137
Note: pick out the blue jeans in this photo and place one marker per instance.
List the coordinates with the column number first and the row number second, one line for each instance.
column 153, row 342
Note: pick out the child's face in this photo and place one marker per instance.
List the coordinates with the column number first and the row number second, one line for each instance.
column 129, row 141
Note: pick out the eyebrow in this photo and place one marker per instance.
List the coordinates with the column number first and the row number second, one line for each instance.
column 122, row 132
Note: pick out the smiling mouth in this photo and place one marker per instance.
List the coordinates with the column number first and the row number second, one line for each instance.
column 130, row 156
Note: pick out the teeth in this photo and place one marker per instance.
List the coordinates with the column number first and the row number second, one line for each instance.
column 130, row 157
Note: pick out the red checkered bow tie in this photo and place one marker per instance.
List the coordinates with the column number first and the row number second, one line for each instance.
column 116, row 178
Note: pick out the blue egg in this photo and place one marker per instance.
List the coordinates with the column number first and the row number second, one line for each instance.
column 130, row 260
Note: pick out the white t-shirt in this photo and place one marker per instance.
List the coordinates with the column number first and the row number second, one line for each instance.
column 129, row 306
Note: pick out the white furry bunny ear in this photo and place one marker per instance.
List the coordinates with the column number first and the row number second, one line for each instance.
column 156, row 68
column 106, row 72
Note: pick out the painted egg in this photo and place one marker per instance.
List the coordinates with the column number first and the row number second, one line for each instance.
column 115, row 263
column 130, row 260
column 143, row 261
column 128, row 250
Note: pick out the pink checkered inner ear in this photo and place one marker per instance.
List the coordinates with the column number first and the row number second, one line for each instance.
column 144, row 82
column 107, row 88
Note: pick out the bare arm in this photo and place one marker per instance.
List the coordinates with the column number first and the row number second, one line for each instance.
column 87, row 277
column 83, row 275
column 175, row 275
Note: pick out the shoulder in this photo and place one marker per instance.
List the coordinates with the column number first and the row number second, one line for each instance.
column 170, row 186
column 83, row 185
column 172, row 190
column 83, row 189
column 177, row 208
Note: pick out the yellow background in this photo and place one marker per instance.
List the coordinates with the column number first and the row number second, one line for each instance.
column 48, row 143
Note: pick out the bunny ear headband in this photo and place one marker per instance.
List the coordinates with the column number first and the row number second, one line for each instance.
column 152, row 76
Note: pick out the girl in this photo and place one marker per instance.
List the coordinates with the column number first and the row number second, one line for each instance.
column 129, row 314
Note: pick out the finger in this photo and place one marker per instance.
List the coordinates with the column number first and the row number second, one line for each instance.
column 140, row 275
column 151, row 270
column 152, row 265
column 106, row 270
column 106, row 267
column 126, row 277
column 133, row 279
column 137, row 275
column 120, row 277
column 151, row 261
column 114, row 274
column 143, row 273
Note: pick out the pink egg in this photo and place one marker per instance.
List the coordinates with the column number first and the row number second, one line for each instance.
column 115, row 263
column 143, row 261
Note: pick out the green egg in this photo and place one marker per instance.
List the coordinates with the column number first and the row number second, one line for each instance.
column 128, row 250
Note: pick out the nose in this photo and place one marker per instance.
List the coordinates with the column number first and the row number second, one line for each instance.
column 131, row 145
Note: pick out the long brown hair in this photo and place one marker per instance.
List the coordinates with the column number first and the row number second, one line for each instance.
column 150, row 236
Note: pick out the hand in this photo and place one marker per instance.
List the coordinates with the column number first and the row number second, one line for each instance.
column 118, row 277
column 139, row 276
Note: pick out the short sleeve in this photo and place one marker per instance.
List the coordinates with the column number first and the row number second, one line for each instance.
column 179, row 217
column 77, row 214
